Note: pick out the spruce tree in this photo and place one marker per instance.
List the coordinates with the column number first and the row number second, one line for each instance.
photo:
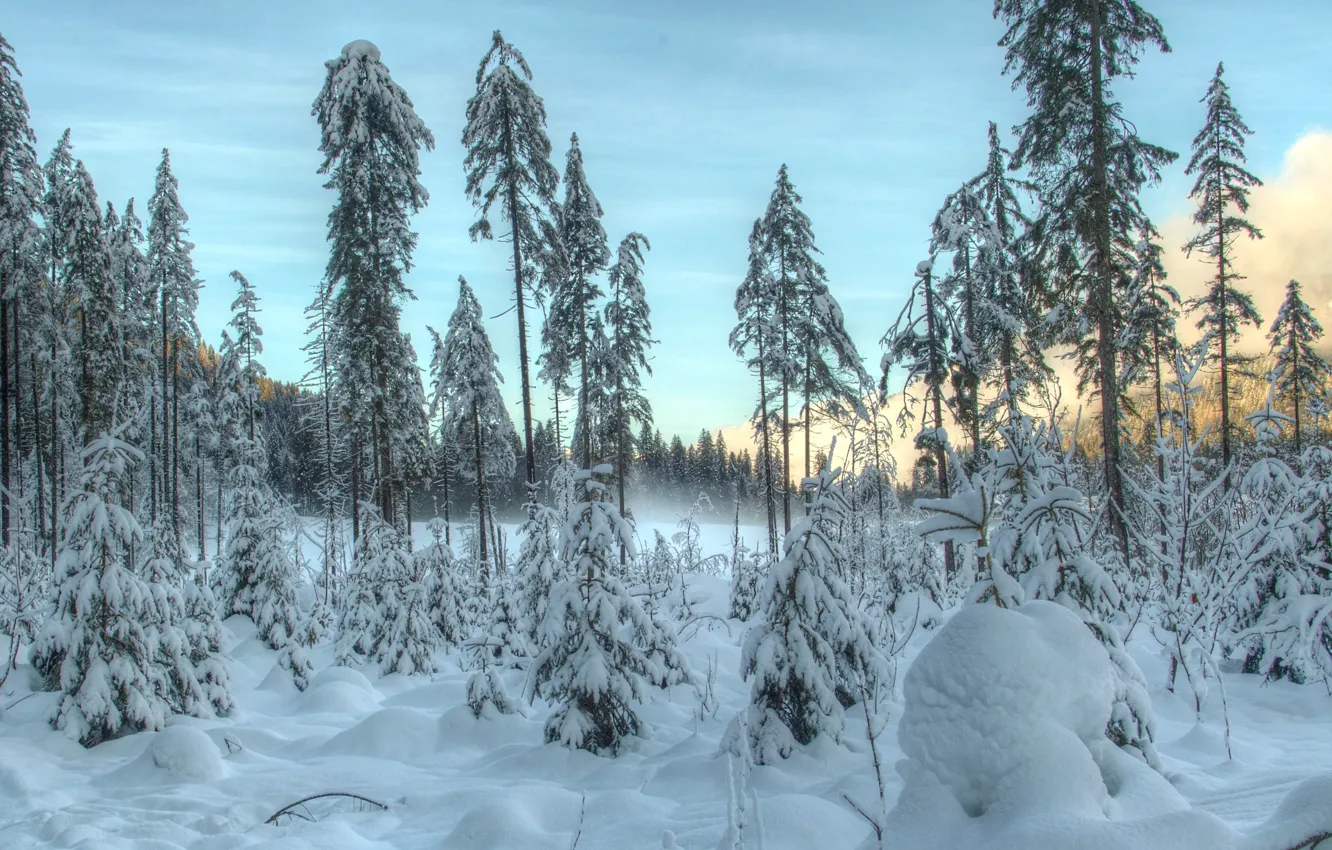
column 508, row 159
column 371, row 139
column 1222, row 192
column 811, row 640
column 94, row 648
column 809, row 324
column 601, row 648
column 627, row 317
column 21, row 184
column 98, row 322
column 438, row 566
column 171, row 270
column 1300, row 374
column 574, row 301
column 1088, row 166
column 754, row 338
column 465, row 379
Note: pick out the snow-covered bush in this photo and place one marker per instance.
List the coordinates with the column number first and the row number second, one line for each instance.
column 601, row 648
column 537, row 567
column 436, row 563
column 810, row 652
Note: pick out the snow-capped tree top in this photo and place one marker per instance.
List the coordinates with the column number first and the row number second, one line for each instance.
column 360, row 49
column 924, row 267
column 581, row 231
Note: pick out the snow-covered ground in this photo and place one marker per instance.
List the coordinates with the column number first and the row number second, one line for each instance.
column 452, row 781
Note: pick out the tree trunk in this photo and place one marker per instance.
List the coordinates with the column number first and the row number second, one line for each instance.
column 584, row 415
column 936, row 391
column 37, row 452
column 480, row 494
column 1102, row 301
column 768, row 503
column 786, row 403
column 5, row 472
column 510, row 156
column 199, row 495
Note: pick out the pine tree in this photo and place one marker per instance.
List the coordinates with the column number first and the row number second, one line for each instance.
column 172, row 274
column 601, row 648
column 1301, row 375
column 508, row 159
column 627, row 317
column 537, row 568
column 918, row 341
column 574, row 301
column 1007, row 310
column 1218, row 160
column 94, row 648
column 465, row 380
column 21, row 184
column 404, row 635
column 371, row 139
column 808, row 323
column 754, row 338
column 811, row 640
column 1088, row 167
column 438, row 566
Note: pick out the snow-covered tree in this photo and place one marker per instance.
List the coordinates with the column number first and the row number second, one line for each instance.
column 626, row 361
column 1301, row 374
column 21, row 185
column 465, row 382
column 256, row 576
column 508, row 159
column 1088, row 165
column 371, row 139
column 811, row 644
column 538, row 568
column 601, row 648
column 755, row 339
column 94, row 647
column 405, row 636
column 171, row 271
column 438, row 566
column 1222, row 192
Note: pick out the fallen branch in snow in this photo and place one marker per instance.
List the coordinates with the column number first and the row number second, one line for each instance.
column 290, row 809
column 1312, row 842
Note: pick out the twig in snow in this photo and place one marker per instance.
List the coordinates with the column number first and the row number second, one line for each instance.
column 874, row 824
column 698, row 618
column 578, row 830
column 289, row 809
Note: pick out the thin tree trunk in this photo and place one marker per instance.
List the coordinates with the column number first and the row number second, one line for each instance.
column 621, row 451
column 356, row 487
column 786, row 404
column 165, row 447
column 584, row 415
column 936, row 392
column 5, row 471
column 480, row 494
column 175, row 441
column 199, row 495
column 1103, row 297
column 1295, row 389
column 768, row 503
column 510, row 156
column 37, row 452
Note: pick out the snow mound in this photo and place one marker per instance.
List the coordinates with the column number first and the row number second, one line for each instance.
column 529, row 821
column 186, row 753
column 397, row 734
column 1004, row 733
column 339, row 690
column 361, row 49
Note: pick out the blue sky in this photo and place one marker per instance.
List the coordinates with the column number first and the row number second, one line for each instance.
column 684, row 112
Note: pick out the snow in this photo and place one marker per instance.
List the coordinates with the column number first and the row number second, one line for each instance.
column 361, row 49
column 453, row 781
column 1003, row 729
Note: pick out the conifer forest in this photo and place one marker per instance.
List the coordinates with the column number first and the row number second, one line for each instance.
column 1046, row 564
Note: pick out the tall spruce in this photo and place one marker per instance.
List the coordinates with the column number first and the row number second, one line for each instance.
column 1301, row 375
column 371, row 138
column 1222, row 192
column 173, row 278
column 627, row 318
column 754, row 338
column 508, row 159
column 465, row 380
column 575, row 302
column 21, row 184
column 1088, row 165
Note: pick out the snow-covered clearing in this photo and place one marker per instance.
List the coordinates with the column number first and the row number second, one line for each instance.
column 452, row 781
